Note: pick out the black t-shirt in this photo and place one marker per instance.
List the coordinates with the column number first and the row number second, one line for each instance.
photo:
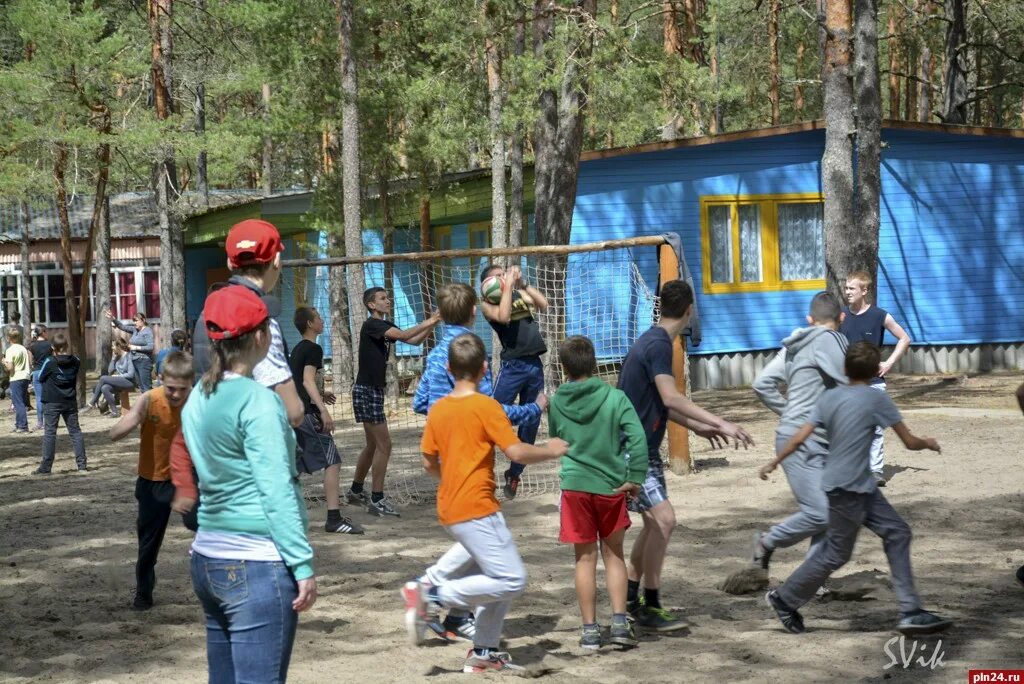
column 306, row 353
column 373, row 352
column 40, row 350
column 867, row 326
column 649, row 357
column 520, row 337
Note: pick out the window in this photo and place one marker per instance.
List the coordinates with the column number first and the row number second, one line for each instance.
column 151, row 293
column 479, row 238
column 9, row 296
column 47, row 294
column 762, row 243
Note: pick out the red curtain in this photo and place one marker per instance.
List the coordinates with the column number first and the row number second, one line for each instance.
column 151, row 293
column 128, row 305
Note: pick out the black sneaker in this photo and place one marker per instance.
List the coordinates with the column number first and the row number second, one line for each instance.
column 1020, row 575
column 791, row 620
column 40, row 471
column 922, row 622
column 658, row 620
column 343, row 526
column 357, row 498
column 511, row 487
column 761, row 555
column 880, row 479
column 623, row 634
column 141, row 602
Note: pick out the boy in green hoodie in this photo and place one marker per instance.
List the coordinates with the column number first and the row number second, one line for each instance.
column 606, row 463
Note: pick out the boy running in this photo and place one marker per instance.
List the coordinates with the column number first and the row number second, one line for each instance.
column 59, row 378
column 375, row 339
column 158, row 412
column 850, row 414
column 458, row 449
column 867, row 323
column 522, row 374
column 646, row 378
column 811, row 361
column 319, row 452
column 607, row 462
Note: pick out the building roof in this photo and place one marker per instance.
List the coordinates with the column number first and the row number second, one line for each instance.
column 132, row 214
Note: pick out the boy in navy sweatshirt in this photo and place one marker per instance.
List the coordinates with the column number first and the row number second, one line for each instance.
column 59, row 378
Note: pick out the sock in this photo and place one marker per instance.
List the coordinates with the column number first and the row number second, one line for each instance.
column 632, row 591
column 432, row 595
column 333, row 515
column 619, row 618
column 357, row 487
column 651, row 598
column 589, row 625
column 376, row 496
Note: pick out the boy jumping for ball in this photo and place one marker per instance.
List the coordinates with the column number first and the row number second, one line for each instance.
column 850, row 414
column 458, row 449
column 521, row 376
column 606, row 463
column 647, row 379
column 375, row 339
column 158, row 412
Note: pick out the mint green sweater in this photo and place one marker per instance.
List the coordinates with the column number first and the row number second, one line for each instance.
column 607, row 445
column 243, row 449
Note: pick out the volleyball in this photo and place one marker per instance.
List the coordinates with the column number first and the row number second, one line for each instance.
column 490, row 289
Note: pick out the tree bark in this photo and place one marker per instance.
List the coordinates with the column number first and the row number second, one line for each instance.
column 798, row 90
column 515, row 157
column 202, row 182
column 99, row 206
column 350, row 168
column 496, row 104
column 425, row 246
column 837, row 160
column 342, row 367
column 103, row 331
column 774, row 9
column 924, row 97
column 954, row 108
column 266, row 167
column 388, row 239
column 60, row 163
column 24, row 279
column 894, row 64
column 864, row 241
column 672, row 45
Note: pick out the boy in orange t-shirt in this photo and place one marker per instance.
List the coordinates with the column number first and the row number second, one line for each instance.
column 458, row 449
column 158, row 411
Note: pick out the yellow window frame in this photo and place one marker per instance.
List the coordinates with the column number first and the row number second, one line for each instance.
column 770, row 263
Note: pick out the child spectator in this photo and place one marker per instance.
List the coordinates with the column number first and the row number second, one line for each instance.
column 18, row 363
column 59, row 377
column 41, row 350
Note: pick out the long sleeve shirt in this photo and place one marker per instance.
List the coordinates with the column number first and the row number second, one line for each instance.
column 143, row 339
column 122, row 366
column 437, row 382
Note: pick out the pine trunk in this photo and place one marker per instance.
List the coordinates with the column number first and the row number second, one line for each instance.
column 515, row 155
column 202, row 182
column 266, row 165
column 103, row 331
column 98, row 208
column 798, row 90
column 895, row 94
column 774, row 9
column 342, row 368
column 24, row 280
column 75, row 336
column 924, row 96
column 837, row 160
column 954, row 109
column 864, row 241
column 672, row 44
column 350, row 168
column 496, row 103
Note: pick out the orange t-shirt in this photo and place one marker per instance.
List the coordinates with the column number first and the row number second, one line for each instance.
column 461, row 432
column 159, row 426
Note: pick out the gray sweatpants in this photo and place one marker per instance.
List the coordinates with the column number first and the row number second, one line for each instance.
column 481, row 572
column 847, row 512
column 803, row 471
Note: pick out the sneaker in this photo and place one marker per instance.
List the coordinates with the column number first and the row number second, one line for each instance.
column 493, row 661
column 343, row 526
column 382, row 508
column 511, row 487
column 357, row 498
column 823, row 592
column 1020, row 575
column 40, row 471
column 658, row 620
column 623, row 634
column 792, row 621
column 761, row 554
column 922, row 622
column 418, row 611
column 590, row 637
column 459, row 627
column 141, row 602
column 880, row 479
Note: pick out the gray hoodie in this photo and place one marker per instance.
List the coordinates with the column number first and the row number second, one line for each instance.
column 811, row 360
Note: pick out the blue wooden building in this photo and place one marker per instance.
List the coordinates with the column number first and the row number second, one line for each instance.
column 748, row 208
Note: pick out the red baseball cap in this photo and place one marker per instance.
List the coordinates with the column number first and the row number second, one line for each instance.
column 252, row 241
column 233, row 311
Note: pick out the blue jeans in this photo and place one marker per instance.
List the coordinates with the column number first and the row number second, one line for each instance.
column 143, row 372
column 38, row 387
column 19, row 397
column 250, row 624
column 520, row 380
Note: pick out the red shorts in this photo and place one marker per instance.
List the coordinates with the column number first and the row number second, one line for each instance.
column 588, row 517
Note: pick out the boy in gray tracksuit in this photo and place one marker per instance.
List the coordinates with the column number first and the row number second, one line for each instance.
column 811, row 360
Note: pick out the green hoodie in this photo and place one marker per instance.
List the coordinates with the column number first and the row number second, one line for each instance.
column 607, row 445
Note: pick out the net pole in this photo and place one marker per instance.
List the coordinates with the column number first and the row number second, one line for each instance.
column 678, row 436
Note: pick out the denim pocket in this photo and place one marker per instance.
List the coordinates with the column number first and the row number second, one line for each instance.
column 227, row 581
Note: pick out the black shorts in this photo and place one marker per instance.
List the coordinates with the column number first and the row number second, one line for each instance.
column 368, row 404
column 318, row 448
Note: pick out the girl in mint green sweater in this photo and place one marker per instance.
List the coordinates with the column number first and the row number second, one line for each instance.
column 252, row 566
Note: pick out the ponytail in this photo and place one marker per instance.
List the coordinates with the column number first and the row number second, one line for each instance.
column 225, row 353
column 218, row 364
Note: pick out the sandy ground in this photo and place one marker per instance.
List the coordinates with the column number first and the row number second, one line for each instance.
column 67, row 544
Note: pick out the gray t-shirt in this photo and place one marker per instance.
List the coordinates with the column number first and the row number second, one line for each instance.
column 849, row 414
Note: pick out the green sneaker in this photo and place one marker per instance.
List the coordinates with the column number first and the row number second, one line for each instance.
column 623, row 634
column 590, row 637
column 658, row 620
